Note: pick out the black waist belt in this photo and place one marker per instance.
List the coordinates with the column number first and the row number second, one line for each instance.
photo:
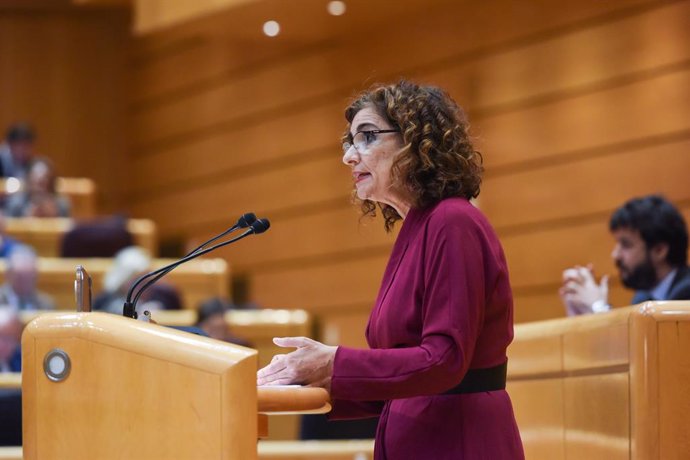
column 479, row 380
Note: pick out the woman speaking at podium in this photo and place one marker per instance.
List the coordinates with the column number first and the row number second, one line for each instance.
column 435, row 371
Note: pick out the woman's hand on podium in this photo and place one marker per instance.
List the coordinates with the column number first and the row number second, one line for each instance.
column 311, row 364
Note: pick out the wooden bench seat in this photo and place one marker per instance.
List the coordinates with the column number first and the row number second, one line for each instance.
column 45, row 234
column 196, row 280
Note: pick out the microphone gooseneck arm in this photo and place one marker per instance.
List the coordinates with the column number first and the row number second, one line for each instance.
column 258, row 226
column 244, row 221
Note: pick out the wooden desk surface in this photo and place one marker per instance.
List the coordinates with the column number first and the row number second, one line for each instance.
column 45, row 234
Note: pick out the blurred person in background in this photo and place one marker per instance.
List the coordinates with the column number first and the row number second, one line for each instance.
column 20, row 288
column 7, row 244
column 211, row 320
column 39, row 196
column 10, row 361
column 651, row 254
column 17, row 151
column 10, row 338
column 128, row 264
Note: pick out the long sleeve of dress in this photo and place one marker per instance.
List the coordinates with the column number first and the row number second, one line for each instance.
column 452, row 305
column 342, row 409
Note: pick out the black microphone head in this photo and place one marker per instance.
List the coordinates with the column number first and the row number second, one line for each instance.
column 246, row 220
column 260, row 226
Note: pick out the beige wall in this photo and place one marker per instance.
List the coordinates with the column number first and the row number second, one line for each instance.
column 64, row 70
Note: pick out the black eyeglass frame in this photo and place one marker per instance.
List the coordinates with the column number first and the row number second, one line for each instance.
column 351, row 139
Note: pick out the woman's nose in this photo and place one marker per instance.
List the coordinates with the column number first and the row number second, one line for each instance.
column 351, row 156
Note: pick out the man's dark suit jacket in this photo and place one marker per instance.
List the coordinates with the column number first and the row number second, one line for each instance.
column 680, row 288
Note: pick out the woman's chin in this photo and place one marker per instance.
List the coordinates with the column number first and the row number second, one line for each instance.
column 362, row 193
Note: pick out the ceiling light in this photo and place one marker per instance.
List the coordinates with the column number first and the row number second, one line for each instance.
column 271, row 28
column 336, row 8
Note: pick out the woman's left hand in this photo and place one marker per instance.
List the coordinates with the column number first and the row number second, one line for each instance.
column 311, row 364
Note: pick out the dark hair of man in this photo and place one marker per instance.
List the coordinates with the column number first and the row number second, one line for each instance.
column 438, row 159
column 212, row 307
column 19, row 132
column 657, row 221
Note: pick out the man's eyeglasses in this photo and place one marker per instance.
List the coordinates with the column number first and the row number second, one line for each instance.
column 362, row 140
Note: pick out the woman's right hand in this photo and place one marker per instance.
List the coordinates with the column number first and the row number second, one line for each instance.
column 310, row 364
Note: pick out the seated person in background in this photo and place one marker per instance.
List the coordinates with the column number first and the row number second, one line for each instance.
column 10, row 335
column 39, row 198
column 7, row 244
column 102, row 237
column 650, row 253
column 10, row 361
column 19, row 290
column 17, row 150
column 128, row 265
column 211, row 320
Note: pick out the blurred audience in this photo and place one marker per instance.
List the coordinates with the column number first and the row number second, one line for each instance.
column 10, row 337
column 10, row 361
column 211, row 320
column 7, row 244
column 17, row 151
column 39, row 197
column 128, row 265
column 20, row 291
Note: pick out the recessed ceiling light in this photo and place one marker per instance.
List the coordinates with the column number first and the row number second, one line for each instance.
column 271, row 28
column 336, row 8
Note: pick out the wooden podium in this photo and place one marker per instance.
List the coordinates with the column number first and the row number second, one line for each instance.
column 607, row 386
column 101, row 386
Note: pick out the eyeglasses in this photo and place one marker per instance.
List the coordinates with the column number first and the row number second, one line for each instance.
column 362, row 140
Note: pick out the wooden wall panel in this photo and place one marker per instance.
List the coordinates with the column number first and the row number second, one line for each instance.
column 64, row 71
column 585, row 60
column 331, row 234
column 597, row 424
column 270, row 191
column 245, row 96
column 544, row 438
column 587, row 186
column 246, row 149
column 581, row 124
column 339, row 285
column 673, row 369
column 577, row 107
column 215, row 62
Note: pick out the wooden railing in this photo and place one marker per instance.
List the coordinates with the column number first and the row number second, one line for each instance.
column 45, row 234
column 196, row 280
column 607, row 386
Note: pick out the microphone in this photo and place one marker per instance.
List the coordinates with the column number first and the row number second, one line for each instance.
column 244, row 221
column 256, row 226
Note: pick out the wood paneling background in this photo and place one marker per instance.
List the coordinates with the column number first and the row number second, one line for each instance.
column 64, row 70
column 576, row 105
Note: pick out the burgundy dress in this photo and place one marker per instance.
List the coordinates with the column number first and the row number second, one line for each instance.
column 445, row 306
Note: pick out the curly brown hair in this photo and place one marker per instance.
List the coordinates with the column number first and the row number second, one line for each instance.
column 438, row 159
